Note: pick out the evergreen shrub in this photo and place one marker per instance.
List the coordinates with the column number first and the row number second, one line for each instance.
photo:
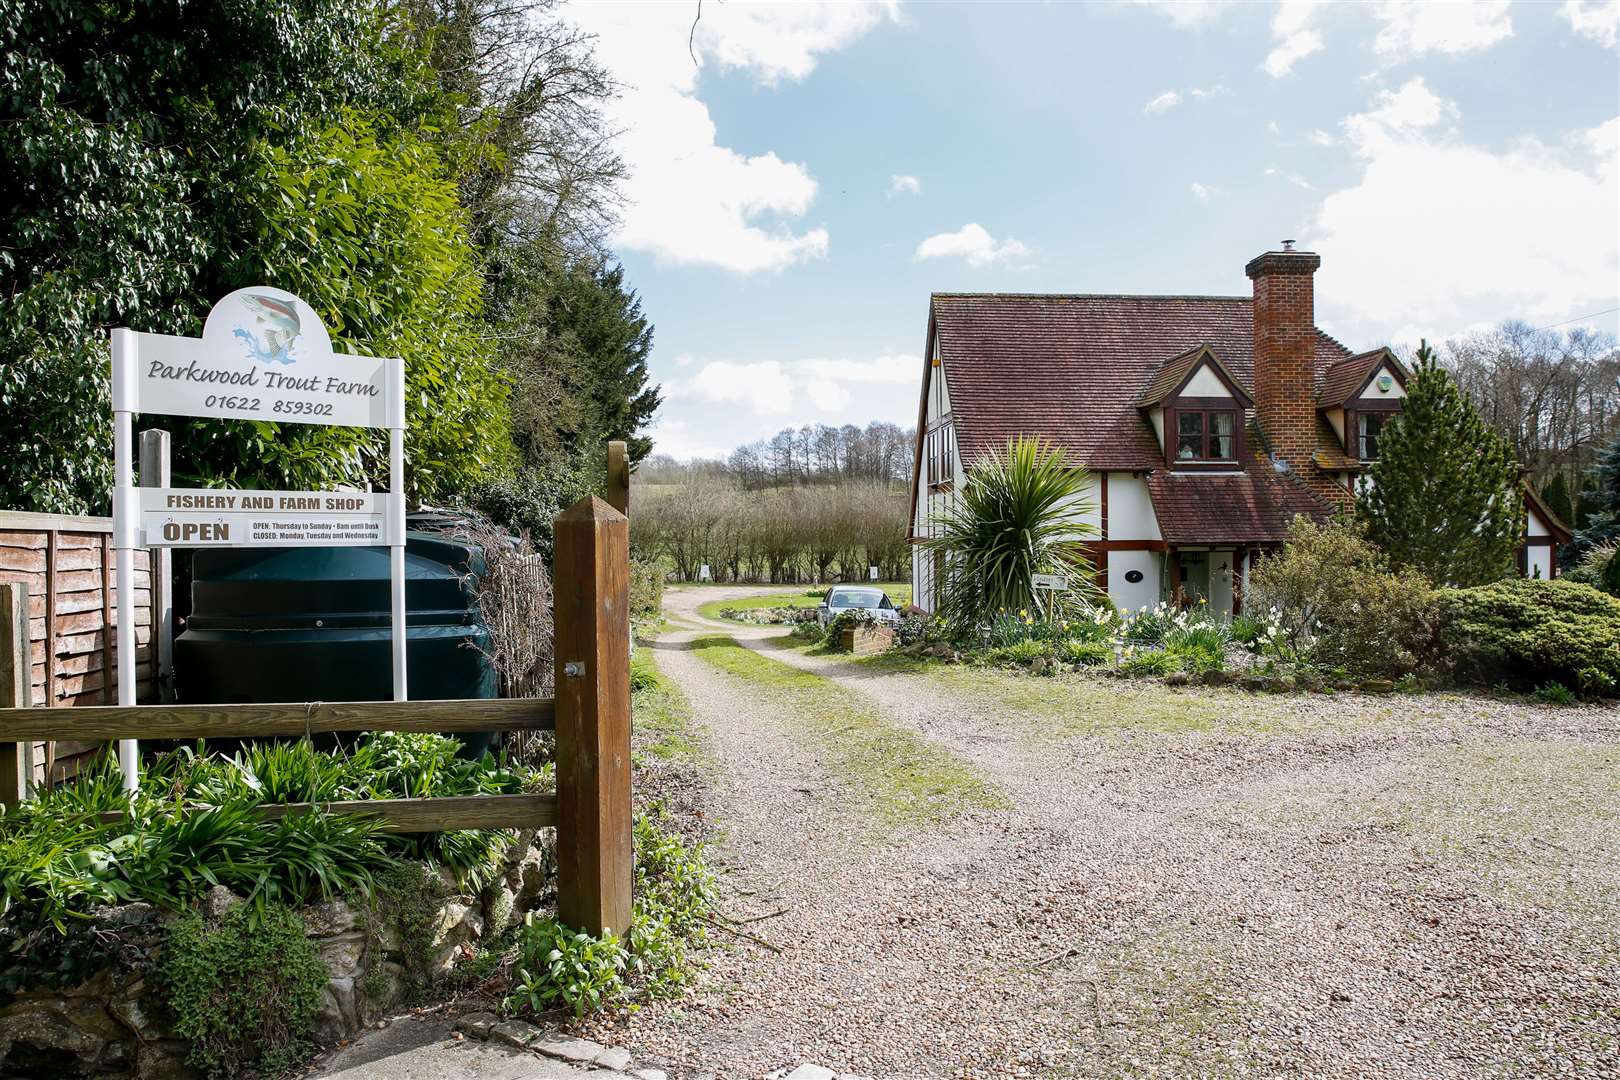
column 1529, row 632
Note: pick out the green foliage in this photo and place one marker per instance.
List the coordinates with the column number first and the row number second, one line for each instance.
column 244, row 991
column 1600, row 504
column 1084, row 653
column 1529, row 632
column 131, row 140
column 1018, row 653
column 193, row 824
column 1247, row 630
column 1554, row 694
column 1337, row 604
column 674, row 893
column 1148, row 662
column 646, row 591
column 529, row 500
column 1598, row 568
column 1443, row 497
column 1021, row 512
column 1556, row 495
column 569, row 968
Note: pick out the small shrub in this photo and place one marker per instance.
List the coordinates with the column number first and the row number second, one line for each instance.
column 1148, row 626
column 1336, row 603
column 1149, row 662
column 1247, row 631
column 1019, row 653
column 1085, row 653
column 244, row 992
column 1528, row 632
column 1197, row 656
column 1554, row 694
column 913, row 630
column 646, row 591
column 1595, row 682
column 559, row 966
column 808, row 632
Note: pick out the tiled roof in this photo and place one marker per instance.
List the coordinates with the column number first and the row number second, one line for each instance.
column 1069, row 369
column 1343, row 378
column 1251, row 507
column 1175, row 371
column 1330, row 452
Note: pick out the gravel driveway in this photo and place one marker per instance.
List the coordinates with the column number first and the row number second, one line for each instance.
column 1174, row 883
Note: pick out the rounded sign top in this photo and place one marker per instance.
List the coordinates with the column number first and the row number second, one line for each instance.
column 267, row 326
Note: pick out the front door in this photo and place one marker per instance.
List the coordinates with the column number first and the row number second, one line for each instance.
column 1194, row 577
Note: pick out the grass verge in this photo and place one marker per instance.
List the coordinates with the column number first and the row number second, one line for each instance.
column 663, row 724
column 903, row 780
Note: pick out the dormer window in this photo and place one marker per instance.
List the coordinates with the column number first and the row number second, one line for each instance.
column 1369, row 425
column 1205, row 435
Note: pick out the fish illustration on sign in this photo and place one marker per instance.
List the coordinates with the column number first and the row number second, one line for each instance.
column 277, row 321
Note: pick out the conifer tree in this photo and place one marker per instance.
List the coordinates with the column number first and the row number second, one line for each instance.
column 1443, row 497
column 1600, row 506
column 1556, row 496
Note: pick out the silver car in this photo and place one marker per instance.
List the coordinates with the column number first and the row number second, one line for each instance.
column 842, row 598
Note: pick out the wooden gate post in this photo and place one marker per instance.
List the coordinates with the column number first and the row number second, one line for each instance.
column 592, row 667
column 16, row 672
column 618, row 476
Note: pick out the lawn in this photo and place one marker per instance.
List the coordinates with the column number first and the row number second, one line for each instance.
column 899, row 592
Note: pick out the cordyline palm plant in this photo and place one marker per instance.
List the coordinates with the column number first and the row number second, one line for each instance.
column 1021, row 512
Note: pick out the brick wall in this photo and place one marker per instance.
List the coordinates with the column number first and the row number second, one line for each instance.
column 1284, row 361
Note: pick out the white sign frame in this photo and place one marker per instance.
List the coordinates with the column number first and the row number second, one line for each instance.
column 240, row 369
column 1049, row 582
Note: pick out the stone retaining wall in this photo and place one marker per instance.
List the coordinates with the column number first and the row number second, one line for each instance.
column 112, row 1023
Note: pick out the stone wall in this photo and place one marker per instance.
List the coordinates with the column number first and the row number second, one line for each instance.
column 113, row 1024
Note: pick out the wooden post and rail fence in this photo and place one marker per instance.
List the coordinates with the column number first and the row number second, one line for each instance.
column 590, row 714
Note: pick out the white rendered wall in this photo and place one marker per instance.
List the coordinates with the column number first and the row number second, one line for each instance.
column 1372, row 393
column 1157, row 417
column 1538, row 561
column 1335, row 418
column 1130, row 509
column 1125, row 595
column 1205, row 383
column 1536, row 527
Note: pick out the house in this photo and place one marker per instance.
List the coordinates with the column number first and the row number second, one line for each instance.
column 1208, row 423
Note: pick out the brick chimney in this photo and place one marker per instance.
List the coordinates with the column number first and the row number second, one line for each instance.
column 1284, row 359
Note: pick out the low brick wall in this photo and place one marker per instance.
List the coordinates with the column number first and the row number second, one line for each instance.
column 864, row 640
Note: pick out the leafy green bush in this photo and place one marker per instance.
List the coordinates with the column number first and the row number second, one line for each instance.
column 1149, row 662
column 1247, row 631
column 1197, row 656
column 1554, row 694
column 1527, row 632
column 1148, row 625
column 1598, row 568
column 913, row 630
column 1335, row 603
column 646, row 591
column 1085, row 653
column 808, row 631
column 674, row 895
column 559, row 966
column 1019, row 653
column 193, row 824
column 243, row 990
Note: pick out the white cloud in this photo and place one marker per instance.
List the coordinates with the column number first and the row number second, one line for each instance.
column 1167, row 100
column 1209, row 92
column 1321, row 138
column 904, row 185
column 1293, row 178
column 774, row 387
column 1598, row 21
column 971, row 242
column 690, row 200
column 764, row 387
column 1187, row 13
column 1439, row 234
column 1203, row 192
column 1414, row 27
column 1291, row 29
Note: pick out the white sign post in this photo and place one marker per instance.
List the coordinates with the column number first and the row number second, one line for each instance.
column 263, row 355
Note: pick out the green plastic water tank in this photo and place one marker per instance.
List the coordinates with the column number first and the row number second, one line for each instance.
column 313, row 624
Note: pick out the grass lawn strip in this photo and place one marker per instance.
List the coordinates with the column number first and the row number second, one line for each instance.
column 900, row 594
column 663, row 715
column 908, row 780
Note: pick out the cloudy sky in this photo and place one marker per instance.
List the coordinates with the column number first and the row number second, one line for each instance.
column 801, row 189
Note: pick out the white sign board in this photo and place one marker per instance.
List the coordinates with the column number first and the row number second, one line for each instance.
column 1050, row 582
column 185, row 517
column 264, row 355
column 872, row 573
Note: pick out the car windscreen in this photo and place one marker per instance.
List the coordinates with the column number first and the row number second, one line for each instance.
column 847, row 598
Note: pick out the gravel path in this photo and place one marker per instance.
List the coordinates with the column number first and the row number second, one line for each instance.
column 1186, row 883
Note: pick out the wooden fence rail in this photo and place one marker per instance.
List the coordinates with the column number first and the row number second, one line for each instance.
column 590, row 714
